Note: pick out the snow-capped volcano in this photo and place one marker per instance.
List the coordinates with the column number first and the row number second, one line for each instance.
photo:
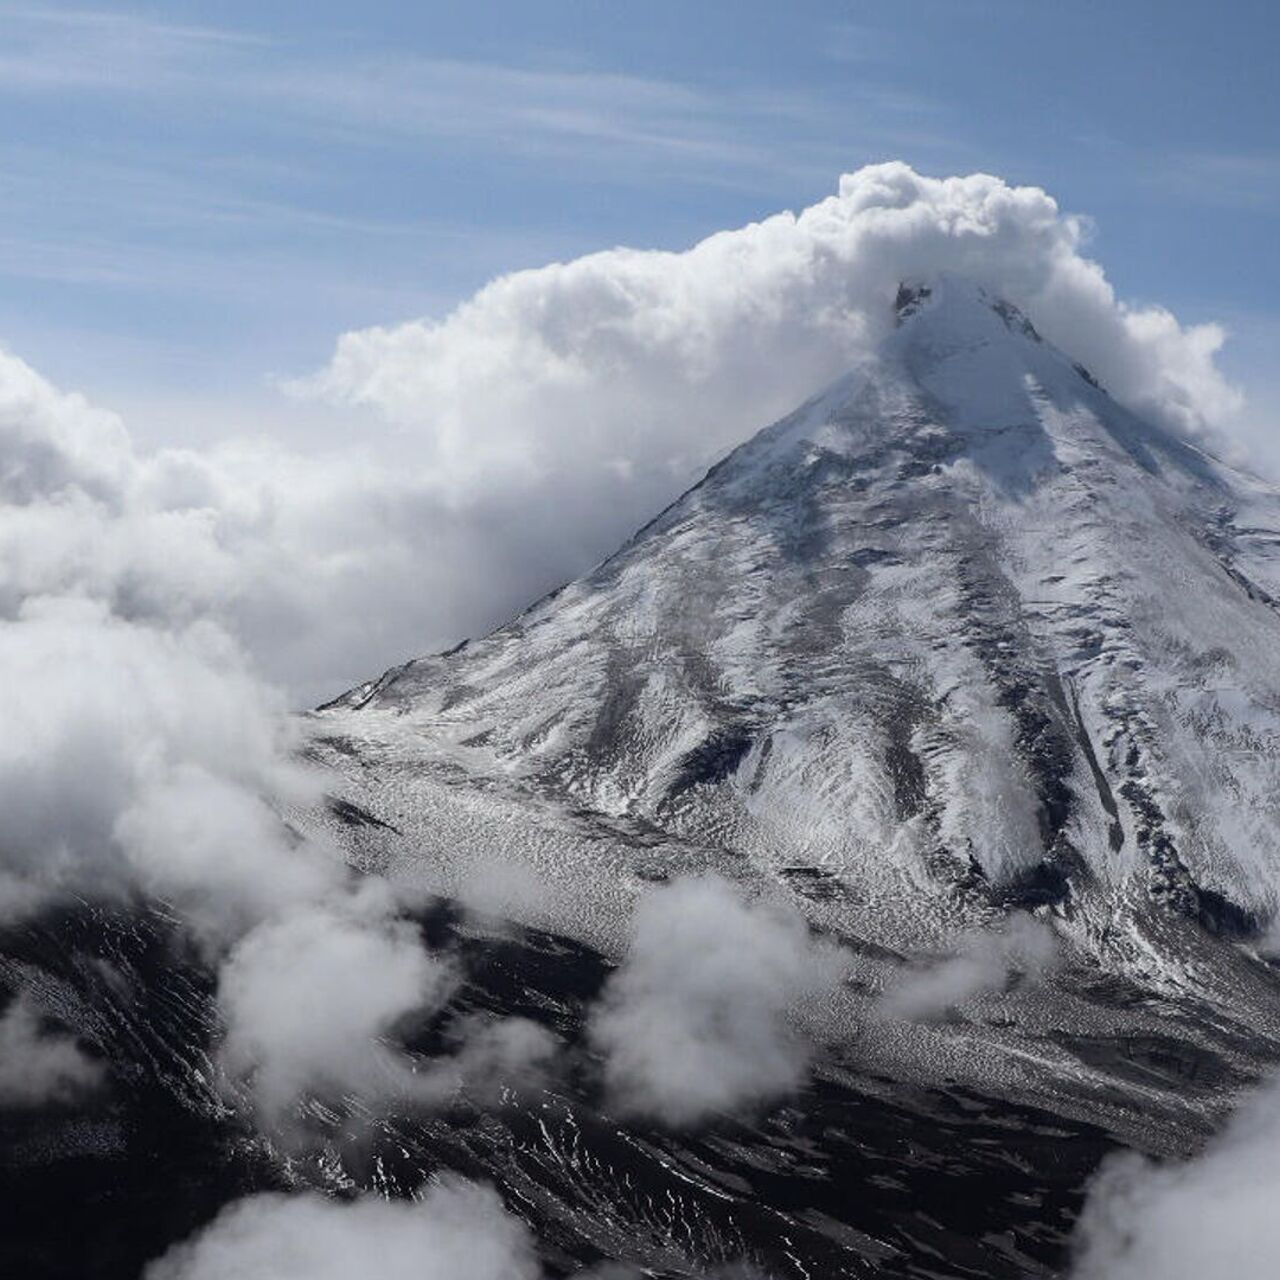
column 962, row 648
column 964, row 660
column 960, row 630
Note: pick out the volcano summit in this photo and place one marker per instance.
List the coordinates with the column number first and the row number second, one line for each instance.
column 961, row 634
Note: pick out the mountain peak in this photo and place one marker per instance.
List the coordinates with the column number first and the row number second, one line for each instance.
column 959, row 303
column 911, row 297
column 965, row 364
column 960, row 633
column 976, row 357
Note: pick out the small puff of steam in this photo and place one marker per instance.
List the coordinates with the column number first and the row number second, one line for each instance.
column 38, row 1067
column 456, row 1229
column 983, row 962
column 695, row 1020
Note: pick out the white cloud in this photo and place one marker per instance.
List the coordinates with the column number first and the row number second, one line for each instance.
column 39, row 1067
column 696, row 1019
column 104, row 720
column 1210, row 1216
column 456, row 1229
column 220, row 854
column 517, row 441
column 646, row 360
column 142, row 758
column 313, row 999
column 982, row 962
column 490, row 1055
column 143, row 753
column 310, row 999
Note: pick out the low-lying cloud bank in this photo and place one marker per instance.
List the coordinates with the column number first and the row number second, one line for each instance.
column 144, row 754
column 145, row 759
column 695, row 1021
column 137, row 756
column 455, row 1230
column 139, row 759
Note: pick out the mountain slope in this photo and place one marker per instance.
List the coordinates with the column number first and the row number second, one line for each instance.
column 961, row 627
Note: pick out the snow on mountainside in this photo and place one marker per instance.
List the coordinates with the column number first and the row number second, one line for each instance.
column 959, row 636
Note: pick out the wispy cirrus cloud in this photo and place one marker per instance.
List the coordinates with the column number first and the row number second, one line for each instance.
column 207, row 189
column 1233, row 180
column 378, row 97
column 56, row 50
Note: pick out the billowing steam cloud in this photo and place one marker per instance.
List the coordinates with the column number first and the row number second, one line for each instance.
column 508, row 446
column 695, row 1020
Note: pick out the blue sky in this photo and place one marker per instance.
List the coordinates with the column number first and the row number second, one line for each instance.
column 196, row 198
